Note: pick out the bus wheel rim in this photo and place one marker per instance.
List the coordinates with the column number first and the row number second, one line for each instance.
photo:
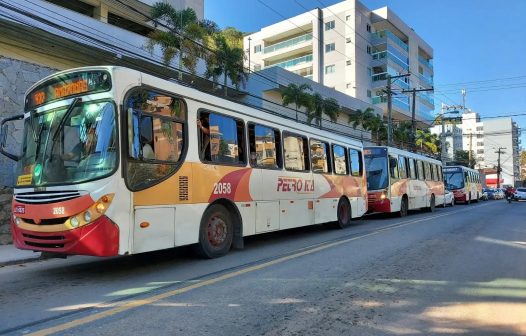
column 217, row 230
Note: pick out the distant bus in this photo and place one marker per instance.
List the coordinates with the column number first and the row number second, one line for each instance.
column 464, row 182
column 398, row 180
column 117, row 162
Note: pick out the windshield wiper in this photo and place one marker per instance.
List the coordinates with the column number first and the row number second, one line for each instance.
column 65, row 117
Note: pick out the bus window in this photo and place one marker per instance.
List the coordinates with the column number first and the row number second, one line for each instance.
column 339, row 155
column 432, row 171
column 294, row 151
column 402, row 169
column 155, row 137
column 223, row 140
column 264, row 147
column 412, row 169
column 427, row 171
column 319, row 156
column 393, row 166
column 420, row 169
column 355, row 157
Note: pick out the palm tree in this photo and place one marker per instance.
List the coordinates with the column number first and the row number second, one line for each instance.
column 320, row 106
column 297, row 95
column 183, row 30
column 226, row 58
column 402, row 133
column 427, row 141
column 361, row 118
column 376, row 125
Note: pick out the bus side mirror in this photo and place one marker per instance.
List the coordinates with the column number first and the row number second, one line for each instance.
column 4, row 131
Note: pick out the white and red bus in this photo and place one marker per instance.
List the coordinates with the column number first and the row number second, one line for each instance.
column 117, row 162
column 398, row 180
column 464, row 182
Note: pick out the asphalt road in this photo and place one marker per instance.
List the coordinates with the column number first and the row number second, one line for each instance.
column 460, row 270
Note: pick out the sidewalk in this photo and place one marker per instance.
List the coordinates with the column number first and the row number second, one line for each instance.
column 10, row 255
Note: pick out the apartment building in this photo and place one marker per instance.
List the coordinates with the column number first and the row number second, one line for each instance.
column 485, row 138
column 352, row 49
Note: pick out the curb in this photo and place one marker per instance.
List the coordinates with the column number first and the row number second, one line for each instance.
column 20, row 261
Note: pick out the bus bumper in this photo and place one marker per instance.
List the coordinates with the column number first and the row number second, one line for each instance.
column 100, row 238
column 383, row 205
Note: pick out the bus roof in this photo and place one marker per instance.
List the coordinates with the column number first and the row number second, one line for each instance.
column 398, row 151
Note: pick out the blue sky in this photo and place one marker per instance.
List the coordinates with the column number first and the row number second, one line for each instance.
column 478, row 41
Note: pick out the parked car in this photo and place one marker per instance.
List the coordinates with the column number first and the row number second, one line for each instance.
column 499, row 194
column 484, row 195
column 449, row 198
column 489, row 192
column 520, row 194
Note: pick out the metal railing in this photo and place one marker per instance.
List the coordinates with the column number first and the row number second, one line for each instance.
column 389, row 55
column 293, row 62
column 425, row 62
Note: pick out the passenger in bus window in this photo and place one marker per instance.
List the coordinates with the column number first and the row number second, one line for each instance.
column 147, row 150
column 204, row 132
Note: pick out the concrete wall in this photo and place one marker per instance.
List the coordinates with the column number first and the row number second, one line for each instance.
column 15, row 79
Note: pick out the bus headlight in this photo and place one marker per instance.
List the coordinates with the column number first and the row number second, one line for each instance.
column 382, row 196
column 18, row 221
column 74, row 221
column 87, row 216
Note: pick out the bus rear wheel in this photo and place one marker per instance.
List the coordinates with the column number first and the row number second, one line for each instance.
column 344, row 213
column 404, row 206
column 431, row 207
column 215, row 233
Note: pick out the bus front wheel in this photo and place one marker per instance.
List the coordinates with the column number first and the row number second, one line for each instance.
column 215, row 233
column 344, row 213
column 404, row 206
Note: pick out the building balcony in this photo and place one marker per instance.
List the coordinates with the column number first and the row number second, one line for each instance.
column 382, row 36
column 293, row 62
column 427, row 99
column 397, row 102
column 288, row 43
column 388, row 55
column 426, row 80
column 426, row 62
column 383, row 77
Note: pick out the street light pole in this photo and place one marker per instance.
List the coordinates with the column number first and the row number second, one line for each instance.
column 249, row 52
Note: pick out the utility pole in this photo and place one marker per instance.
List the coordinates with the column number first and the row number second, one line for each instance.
column 413, row 114
column 470, row 147
column 390, row 107
column 499, row 152
column 249, row 53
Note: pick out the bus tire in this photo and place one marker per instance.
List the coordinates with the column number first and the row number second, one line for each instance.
column 476, row 200
column 431, row 207
column 216, row 232
column 469, row 199
column 404, row 207
column 343, row 213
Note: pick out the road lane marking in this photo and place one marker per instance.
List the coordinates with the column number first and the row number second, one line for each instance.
column 152, row 299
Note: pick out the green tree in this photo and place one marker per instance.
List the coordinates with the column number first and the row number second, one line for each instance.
column 402, row 134
column 461, row 157
column 427, row 142
column 183, row 29
column 297, row 95
column 376, row 125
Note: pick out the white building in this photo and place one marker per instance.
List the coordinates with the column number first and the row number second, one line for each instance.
column 351, row 49
column 452, row 136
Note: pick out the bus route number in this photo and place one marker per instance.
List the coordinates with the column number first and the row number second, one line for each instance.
column 222, row 188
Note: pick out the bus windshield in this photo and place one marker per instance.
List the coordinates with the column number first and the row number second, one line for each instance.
column 454, row 179
column 376, row 168
column 70, row 144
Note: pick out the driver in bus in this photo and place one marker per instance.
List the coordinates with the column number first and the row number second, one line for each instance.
column 82, row 149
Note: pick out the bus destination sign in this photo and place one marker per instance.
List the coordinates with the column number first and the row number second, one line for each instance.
column 451, row 169
column 68, row 85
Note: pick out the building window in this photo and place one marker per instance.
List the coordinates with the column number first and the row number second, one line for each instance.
column 368, row 27
column 369, row 49
column 347, row 18
column 480, row 143
column 369, row 72
column 349, row 62
column 480, row 151
column 480, row 136
column 330, row 25
column 330, row 47
column 348, row 40
column 257, row 48
column 369, row 93
column 257, row 67
column 480, row 128
column 349, row 85
column 330, row 69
